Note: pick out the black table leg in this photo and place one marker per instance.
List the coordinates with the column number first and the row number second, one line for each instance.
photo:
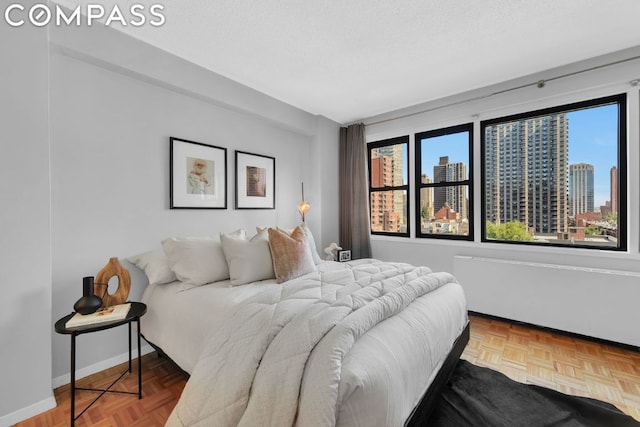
column 129, row 346
column 139, row 362
column 73, row 379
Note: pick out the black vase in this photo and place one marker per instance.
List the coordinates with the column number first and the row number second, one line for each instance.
column 89, row 303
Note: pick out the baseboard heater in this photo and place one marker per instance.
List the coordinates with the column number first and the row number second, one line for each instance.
column 600, row 303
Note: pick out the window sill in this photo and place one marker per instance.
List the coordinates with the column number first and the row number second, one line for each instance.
column 507, row 247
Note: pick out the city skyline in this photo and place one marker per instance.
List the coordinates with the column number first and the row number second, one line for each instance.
column 593, row 140
column 585, row 137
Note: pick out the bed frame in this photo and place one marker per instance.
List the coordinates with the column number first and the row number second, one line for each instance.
column 422, row 412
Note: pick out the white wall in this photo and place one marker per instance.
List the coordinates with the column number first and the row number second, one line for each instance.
column 586, row 303
column 25, row 252
column 325, row 160
column 111, row 122
column 113, row 103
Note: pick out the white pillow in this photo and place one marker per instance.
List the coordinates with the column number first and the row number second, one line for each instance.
column 155, row 265
column 312, row 244
column 197, row 260
column 248, row 260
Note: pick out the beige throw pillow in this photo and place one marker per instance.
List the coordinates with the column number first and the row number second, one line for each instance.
column 312, row 242
column 291, row 254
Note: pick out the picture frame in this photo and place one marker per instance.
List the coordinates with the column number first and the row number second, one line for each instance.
column 198, row 175
column 344, row 256
column 255, row 181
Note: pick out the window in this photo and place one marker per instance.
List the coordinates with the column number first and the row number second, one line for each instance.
column 389, row 186
column 557, row 176
column 443, row 183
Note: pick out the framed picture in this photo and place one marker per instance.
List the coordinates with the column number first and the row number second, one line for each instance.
column 344, row 256
column 255, row 181
column 198, row 175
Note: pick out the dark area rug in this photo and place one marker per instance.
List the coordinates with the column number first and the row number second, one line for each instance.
column 481, row 397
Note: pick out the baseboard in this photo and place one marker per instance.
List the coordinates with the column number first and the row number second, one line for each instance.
column 50, row 403
column 558, row 331
column 100, row 366
column 28, row 412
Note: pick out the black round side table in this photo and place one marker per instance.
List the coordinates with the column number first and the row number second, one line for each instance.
column 136, row 311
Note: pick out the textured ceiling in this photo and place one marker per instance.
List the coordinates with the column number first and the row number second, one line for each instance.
column 352, row 59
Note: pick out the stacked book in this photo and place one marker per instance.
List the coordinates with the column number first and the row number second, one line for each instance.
column 107, row 314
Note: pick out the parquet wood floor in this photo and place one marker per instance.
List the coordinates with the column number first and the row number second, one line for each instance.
column 529, row 355
column 561, row 362
column 162, row 384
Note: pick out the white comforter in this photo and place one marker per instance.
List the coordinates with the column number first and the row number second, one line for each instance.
column 250, row 372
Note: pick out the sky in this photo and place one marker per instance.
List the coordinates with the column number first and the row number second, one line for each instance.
column 592, row 140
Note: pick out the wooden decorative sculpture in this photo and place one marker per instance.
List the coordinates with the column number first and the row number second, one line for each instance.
column 101, row 286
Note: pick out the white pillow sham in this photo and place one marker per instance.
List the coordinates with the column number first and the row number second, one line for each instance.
column 197, row 260
column 155, row 265
column 248, row 260
column 312, row 244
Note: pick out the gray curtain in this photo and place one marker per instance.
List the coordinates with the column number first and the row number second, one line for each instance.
column 354, row 192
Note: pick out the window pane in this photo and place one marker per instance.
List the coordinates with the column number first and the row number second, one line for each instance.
column 445, row 158
column 553, row 179
column 389, row 166
column 389, row 211
column 445, row 210
column 443, row 183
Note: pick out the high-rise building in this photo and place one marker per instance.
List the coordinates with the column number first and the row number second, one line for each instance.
column 455, row 196
column 581, row 189
column 384, row 214
column 396, row 154
column 426, row 196
column 614, row 190
column 440, row 175
column 381, row 201
column 526, row 173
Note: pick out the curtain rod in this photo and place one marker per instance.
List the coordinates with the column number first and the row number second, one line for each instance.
column 539, row 83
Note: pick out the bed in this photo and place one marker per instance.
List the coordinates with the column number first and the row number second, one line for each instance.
column 347, row 344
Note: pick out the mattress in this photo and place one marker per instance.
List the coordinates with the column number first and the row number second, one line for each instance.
column 383, row 376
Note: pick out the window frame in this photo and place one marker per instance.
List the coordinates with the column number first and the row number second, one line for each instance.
column 619, row 99
column 418, row 137
column 405, row 187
